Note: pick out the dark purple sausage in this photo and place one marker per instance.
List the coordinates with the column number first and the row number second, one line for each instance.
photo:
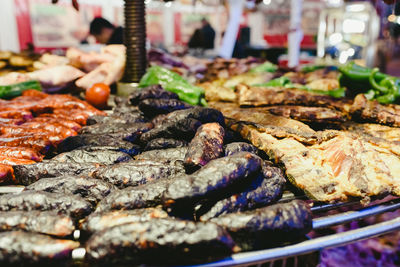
column 20, row 248
column 279, row 222
column 154, row 107
column 236, row 147
column 164, row 143
column 38, row 200
column 211, row 181
column 153, row 91
column 265, row 189
column 99, row 221
column 206, row 145
column 92, row 190
column 44, row 222
column 160, row 241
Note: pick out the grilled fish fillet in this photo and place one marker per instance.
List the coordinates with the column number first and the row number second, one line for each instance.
column 334, row 169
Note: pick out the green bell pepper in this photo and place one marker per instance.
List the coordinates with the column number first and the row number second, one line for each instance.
column 14, row 90
column 173, row 82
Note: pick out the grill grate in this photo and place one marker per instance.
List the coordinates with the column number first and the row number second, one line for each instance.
column 356, row 212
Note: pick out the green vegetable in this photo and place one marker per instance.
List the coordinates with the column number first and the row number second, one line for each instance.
column 285, row 82
column 311, row 68
column 13, row 90
column 265, row 67
column 173, row 82
column 374, row 84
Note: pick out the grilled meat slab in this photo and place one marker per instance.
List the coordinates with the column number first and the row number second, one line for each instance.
column 127, row 118
column 44, row 222
column 154, row 107
column 335, row 169
column 160, row 241
column 270, row 96
column 100, row 221
column 151, row 92
column 37, row 200
column 318, row 115
column 263, row 190
column 171, row 154
column 28, row 174
column 22, row 248
column 105, row 128
column 92, row 190
column 371, row 111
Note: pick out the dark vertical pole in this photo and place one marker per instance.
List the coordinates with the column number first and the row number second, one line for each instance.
column 135, row 40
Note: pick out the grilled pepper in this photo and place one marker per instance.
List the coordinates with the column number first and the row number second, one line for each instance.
column 173, row 82
column 13, row 90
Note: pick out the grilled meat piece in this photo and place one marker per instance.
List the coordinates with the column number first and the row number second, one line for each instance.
column 171, row 240
column 259, row 96
column 136, row 173
column 6, row 173
column 21, row 248
column 257, row 228
column 55, row 129
column 211, row 181
column 90, row 189
column 172, row 154
column 265, row 189
column 151, row 92
column 66, row 123
column 112, row 140
column 371, row 111
column 153, row 107
column 28, row 174
column 102, row 128
column 37, row 200
column 138, row 197
column 183, row 129
column 14, row 161
column 308, row 114
column 204, row 115
column 206, row 145
column 38, row 144
column 44, row 222
column 20, row 153
column 387, row 133
column 164, row 143
column 99, row 221
column 128, row 118
column 87, row 155
column 343, row 166
column 237, row 147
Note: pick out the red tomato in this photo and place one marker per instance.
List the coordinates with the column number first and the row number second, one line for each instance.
column 98, row 94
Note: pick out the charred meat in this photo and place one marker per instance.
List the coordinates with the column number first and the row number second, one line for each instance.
column 256, row 228
column 237, row 147
column 138, row 197
column 103, row 128
column 154, row 107
column 99, row 221
column 136, row 173
column 44, row 222
column 172, row 154
column 151, row 92
column 90, row 189
column 37, row 200
column 205, row 146
column 28, row 174
column 211, row 181
column 164, row 143
column 171, row 240
column 22, row 248
column 88, row 155
column 267, row 188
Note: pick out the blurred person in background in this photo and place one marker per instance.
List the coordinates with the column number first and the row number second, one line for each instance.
column 208, row 34
column 105, row 32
